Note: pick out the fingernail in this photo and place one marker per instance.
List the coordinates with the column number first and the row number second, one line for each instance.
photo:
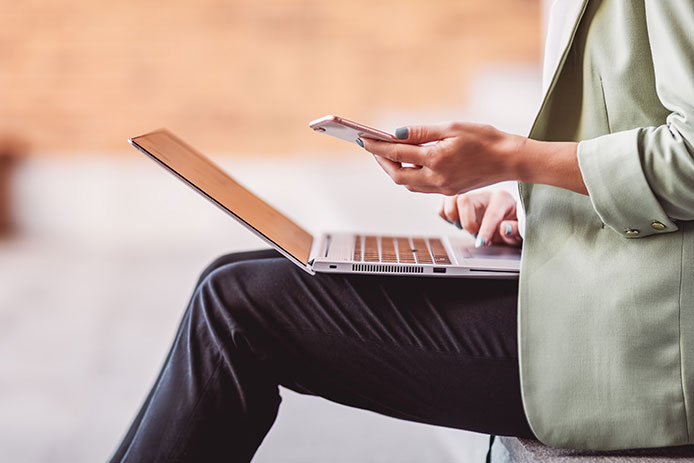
column 360, row 142
column 458, row 224
column 509, row 230
column 480, row 242
column 402, row 133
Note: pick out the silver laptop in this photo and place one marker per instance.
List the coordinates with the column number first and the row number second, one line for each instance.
column 435, row 256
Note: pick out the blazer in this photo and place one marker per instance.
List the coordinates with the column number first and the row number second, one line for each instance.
column 606, row 299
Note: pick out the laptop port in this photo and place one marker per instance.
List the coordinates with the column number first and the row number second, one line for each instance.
column 333, row 266
column 439, row 269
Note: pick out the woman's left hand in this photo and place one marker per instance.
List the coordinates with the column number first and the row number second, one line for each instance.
column 455, row 157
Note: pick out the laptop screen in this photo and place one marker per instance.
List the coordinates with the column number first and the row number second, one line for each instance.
column 210, row 180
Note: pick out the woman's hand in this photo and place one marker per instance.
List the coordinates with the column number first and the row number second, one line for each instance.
column 464, row 157
column 488, row 215
column 457, row 157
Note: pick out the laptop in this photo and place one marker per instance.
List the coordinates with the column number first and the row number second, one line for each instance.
column 330, row 252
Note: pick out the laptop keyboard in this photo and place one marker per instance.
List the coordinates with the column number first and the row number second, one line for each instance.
column 400, row 249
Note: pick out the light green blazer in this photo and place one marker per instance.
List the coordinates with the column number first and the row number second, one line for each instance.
column 606, row 302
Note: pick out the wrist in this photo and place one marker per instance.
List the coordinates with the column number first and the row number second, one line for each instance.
column 549, row 163
column 517, row 158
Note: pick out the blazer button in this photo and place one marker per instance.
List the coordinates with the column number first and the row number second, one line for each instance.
column 632, row 232
column 657, row 225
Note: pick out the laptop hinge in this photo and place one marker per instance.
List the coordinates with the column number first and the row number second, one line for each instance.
column 315, row 248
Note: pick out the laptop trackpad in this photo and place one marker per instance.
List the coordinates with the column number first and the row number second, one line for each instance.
column 492, row 252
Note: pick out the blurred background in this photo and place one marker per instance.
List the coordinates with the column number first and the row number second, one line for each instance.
column 100, row 248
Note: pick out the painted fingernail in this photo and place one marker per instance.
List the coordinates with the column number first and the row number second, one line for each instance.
column 480, row 242
column 402, row 133
column 458, row 224
column 359, row 142
column 509, row 230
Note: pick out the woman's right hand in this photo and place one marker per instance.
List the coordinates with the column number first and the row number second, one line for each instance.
column 489, row 215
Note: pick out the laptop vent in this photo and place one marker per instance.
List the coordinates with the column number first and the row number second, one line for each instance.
column 386, row 268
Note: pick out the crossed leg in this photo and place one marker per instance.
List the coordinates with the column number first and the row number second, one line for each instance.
column 433, row 350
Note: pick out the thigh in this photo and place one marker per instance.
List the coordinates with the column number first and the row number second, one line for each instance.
column 434, row 350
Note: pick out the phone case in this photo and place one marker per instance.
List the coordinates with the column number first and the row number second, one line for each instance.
column 348, row 130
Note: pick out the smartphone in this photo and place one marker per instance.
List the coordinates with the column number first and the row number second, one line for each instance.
column 349, row 130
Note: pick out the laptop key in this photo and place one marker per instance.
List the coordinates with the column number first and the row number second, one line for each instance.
column 421, row 251
column 439, row 252
column 371, row 249
column 357, row 249
column 388, row 249
column 405, row 251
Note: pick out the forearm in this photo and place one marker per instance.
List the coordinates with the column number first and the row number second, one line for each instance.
column 468, row 156
column 549, row 163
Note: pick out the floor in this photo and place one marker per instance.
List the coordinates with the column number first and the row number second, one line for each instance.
column 106, row 252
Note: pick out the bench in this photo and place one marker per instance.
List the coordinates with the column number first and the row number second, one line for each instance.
column 513, row 450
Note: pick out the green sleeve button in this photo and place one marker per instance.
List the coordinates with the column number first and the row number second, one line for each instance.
column 657, row 225
column 632, row 232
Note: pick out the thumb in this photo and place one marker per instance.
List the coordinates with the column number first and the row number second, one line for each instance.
column 418, row 134
column 508, row 231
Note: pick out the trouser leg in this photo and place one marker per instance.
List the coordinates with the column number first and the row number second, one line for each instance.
column 440, row 351
column 127, row 450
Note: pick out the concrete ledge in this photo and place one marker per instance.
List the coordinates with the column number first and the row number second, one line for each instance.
column 510, row 449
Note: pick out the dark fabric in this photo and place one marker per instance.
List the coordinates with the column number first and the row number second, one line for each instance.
column 433, row 350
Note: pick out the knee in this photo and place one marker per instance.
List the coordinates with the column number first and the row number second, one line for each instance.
column 228, row 292
column 245, row 292
column 213, row 312
column 235, row 257
column 217, row 320
column 219, row 262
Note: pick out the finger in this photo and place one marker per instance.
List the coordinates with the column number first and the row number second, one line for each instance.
column 408, row 176
column 451, row 211
column 490, row 223
column 442, row 210
column 387, row 165
column 397, row 152
column 471, row 210
column 508, row 231
column 417, row 134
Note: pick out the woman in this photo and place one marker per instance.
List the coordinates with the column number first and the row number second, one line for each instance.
column 603, row 353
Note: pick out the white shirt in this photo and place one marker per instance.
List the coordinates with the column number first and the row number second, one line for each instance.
column 561, row 15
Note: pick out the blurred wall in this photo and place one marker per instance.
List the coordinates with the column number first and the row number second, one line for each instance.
column 80, row 76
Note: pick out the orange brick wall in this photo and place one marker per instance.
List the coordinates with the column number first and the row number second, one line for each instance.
column 240, row 75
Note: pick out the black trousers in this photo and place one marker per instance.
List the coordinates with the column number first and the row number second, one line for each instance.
column 433, row 350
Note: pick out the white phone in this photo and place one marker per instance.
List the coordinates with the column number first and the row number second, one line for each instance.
column 349, row 130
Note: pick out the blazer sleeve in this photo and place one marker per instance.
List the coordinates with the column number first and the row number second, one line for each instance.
column 643, row 179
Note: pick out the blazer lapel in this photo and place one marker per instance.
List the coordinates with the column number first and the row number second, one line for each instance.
column 564, row 17
column 554, row 65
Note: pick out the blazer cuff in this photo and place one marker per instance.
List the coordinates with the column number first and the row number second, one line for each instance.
column 619, row 191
